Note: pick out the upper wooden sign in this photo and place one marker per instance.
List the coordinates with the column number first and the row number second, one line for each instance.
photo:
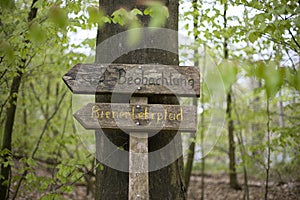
column 143, row 79
column 135, row 117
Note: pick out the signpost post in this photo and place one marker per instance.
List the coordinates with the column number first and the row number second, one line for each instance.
column 138, row 159
column 138, row 117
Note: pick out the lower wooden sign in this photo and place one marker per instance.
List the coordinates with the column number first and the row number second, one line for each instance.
column 134, row 117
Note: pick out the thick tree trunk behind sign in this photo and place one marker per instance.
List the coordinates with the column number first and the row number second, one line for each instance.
column 165, row 183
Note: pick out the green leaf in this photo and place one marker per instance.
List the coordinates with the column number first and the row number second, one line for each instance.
column 229, row 72
column 147, row 11
column 67, row 189
column 270, row 28
column 59, row 17
column 30, row 162
column 119, row 16
column 30, row 177
column 7, row 51
column 296, row 80
column 45, row 184
column 5, row 152
column 36, row 33
column 297, row 9
column 223, row 2
column 38, row 4
column 260, row 69
column 136, row 11
column 273, row 79
column 186, row 26
column 51, row 197
column 253, row 36
column 101, row 167
column 106, row 19
column 95, row 16
column 6, row 183
column 7, row 4
column 158, row 13
column 261, row 17
column 297, row 21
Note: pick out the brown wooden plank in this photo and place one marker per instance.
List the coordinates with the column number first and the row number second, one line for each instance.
column 133, row 78
column 134, row 117
column 138, row 160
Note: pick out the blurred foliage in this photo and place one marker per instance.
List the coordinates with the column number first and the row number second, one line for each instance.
column 263, row 41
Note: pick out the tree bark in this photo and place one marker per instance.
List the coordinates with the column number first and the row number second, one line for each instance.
column 165, row 183
column 191, row 152
column 268, row 164
column 7, row 136
column 231, row 143
column 202, row 118
column 189, row 163
column 232, row 165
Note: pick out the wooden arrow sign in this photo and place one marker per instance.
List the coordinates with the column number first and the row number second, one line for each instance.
column 134, row 117
column 143, row 80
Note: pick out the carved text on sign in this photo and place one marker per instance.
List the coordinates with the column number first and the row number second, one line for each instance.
column 136, row 113
column 150, row 117
column 146, row 80
column 162, row 78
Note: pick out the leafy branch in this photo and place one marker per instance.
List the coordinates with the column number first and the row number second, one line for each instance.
column 38, row 144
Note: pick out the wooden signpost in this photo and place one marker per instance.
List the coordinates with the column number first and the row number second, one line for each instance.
column 138, row 117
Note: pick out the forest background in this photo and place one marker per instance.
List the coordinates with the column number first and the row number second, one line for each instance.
column 253, row 48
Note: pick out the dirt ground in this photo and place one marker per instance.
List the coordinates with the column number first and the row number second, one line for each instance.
column 217, row 188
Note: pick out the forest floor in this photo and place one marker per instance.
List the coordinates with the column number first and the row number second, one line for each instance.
column 216, row 187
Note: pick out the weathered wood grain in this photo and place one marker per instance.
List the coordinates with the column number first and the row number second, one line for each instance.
column 135, row 79
column 135, row 117
column 138, row 160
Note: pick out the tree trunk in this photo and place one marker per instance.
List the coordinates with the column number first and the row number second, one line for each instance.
column 7, row 136
column 268, row 164
column 190, row 160
column 202, row 118
column 231, row 150
column 282, row 125
column 191, row 152
column 165, row 183
column 243, row 155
